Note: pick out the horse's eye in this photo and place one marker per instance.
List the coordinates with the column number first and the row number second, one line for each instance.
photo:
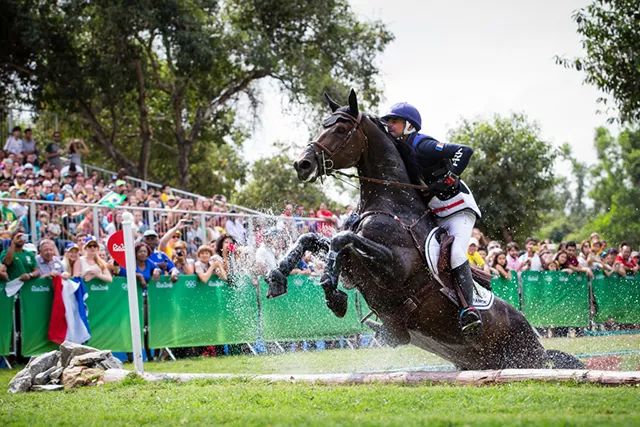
column 340, row 130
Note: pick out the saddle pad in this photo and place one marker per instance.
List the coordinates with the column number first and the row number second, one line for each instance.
column 482, row 298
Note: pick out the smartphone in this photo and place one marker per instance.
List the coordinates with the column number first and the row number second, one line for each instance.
column 188, row 221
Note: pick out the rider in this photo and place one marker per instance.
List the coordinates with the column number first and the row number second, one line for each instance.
column 453, row 204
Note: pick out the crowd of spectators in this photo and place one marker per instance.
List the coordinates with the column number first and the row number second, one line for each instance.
column 588, row 257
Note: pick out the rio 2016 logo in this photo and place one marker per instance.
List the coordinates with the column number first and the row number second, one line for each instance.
column 117, row 247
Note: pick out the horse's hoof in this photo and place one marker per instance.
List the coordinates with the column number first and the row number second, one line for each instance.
column 337, row 302
column 277, row 283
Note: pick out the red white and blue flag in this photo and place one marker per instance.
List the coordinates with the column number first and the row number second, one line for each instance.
column 69, row 321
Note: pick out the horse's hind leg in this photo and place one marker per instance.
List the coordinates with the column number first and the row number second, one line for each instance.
column 277, row 278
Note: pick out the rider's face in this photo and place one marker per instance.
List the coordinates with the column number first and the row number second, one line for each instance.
column 396, row 127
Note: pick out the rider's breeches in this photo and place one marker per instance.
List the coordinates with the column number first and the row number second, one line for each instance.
column 460, row 226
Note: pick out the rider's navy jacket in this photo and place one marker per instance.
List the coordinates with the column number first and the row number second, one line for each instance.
column 436, row 158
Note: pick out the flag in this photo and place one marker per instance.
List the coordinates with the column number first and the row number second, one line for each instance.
column 112, row 199
column 68, row 321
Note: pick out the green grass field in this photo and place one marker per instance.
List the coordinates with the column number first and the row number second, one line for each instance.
column 254, row 403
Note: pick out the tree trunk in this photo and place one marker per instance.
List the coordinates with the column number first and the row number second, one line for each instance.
column 145, row 130
column 184, row 144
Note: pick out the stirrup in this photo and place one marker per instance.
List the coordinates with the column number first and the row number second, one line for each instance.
column 472, row 320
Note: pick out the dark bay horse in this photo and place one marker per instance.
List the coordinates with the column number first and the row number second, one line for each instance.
column 381, row 255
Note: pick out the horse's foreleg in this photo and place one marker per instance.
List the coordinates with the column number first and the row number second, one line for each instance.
column 346, row 244
column 277, row 278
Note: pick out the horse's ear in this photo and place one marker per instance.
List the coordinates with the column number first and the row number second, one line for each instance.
column 332, row 104
column 353, row 103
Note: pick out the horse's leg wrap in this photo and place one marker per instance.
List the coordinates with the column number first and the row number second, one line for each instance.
column 336, row 299
column 277, row 278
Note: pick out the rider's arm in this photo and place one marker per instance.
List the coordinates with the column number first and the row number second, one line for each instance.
column 435, row 150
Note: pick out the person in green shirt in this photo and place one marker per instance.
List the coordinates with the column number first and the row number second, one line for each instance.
column 20, row 263
column 6, row 214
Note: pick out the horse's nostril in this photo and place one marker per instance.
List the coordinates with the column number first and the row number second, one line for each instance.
column 304, row 165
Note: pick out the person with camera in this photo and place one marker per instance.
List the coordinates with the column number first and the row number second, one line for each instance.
column 159, row 258
column 20, row 263
column 206, row 266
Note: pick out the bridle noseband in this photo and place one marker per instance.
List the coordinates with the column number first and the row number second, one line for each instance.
column 324, row 154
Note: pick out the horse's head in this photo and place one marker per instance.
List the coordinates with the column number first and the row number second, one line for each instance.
column 340, row 145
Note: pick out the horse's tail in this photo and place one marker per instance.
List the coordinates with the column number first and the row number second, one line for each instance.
column 561, row 360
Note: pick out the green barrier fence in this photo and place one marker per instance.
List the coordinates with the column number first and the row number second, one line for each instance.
column 6, row 321
column 303, row 314
column 192, row 313
column 35, row 310
column 616, row 298
column 108, row 307
column 554, row 298
column 507, row 289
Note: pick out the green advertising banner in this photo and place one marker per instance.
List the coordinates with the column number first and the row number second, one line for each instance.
column 6, row 321
column 191, row 313
column 302, row 314
column 108, row 313
column 507, row 289
column 554, row 298
column 35, row 310
column 617, row 298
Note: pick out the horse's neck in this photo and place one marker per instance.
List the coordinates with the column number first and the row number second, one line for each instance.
column 384, row 162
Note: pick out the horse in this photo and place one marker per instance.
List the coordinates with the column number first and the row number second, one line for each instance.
column 382, row 254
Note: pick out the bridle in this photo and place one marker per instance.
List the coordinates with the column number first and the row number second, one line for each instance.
column 324, row 154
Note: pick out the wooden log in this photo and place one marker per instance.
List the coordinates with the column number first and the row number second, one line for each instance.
column 412, row 377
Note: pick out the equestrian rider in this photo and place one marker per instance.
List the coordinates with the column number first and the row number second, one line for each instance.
column 453, row 204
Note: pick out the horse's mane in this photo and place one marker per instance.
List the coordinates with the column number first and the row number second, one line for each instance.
column 407, row 153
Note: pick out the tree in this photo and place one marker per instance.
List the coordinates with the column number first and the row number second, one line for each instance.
column 610, row 31
column 168, row 76
column 510, row 174
column 616, row 190
column 274, row 182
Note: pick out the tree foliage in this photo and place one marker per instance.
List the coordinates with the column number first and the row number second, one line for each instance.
column 158, row 83
column 274, row 182
column 610, row 31
column 510, row 174
column 616, row 189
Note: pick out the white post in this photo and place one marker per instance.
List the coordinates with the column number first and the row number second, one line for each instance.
column 132, row 290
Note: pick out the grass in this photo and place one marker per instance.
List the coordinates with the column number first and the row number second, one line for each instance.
column 238, row 402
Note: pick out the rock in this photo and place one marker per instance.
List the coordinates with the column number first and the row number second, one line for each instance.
column 43, row 362
column 21, row 382
column 69, row 350
column 115, row 375
column 44, row 377
column 55, row 375
column 110, row 362
column 81, row 376
column 90, row 359
column 48, row 387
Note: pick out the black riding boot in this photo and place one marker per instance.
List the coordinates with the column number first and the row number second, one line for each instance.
column 470, row 321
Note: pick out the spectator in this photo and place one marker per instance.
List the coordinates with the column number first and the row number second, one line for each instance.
column 475, row 260
column 70, row 261
column 305, row 266
column 182, row 263
column 13, row 144
column 235, row 228
column 29, row 148
column 52, row 151
column 553, row 266
column 562, row 259
column 76, row 149
column 499, row 267
column 92, row 266
column 583, row 256
column 572, row 261
column 49, row 264
column 327, row 227
column 626, row 264
column 20, row 263
column 170, row 238
column 265, row 255
column 6, row 214
column 146, row 270
column 159, row 258
column 513, row 259
column 609, row 262
column 225, row 249
column 205, row 267
column 530, row 260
